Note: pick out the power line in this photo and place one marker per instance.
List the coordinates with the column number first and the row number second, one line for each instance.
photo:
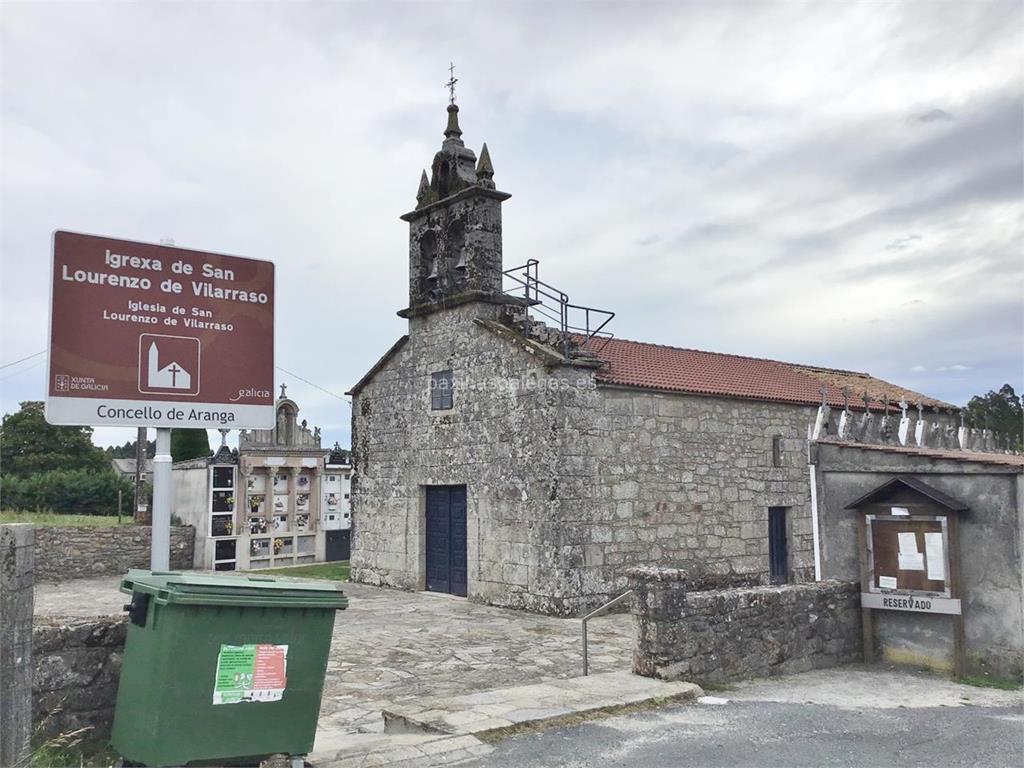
column 316, row 386
column 15, row 362
column 32, row 367
column 283, row 370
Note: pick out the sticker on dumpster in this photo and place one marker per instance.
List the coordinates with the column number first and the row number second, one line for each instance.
column 250, row 673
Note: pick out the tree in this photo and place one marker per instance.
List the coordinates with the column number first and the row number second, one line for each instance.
column 189, row 444
column 127, row 451
column 29, row 445
column 1002, row 412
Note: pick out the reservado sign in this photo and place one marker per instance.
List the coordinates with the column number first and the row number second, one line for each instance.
column 147, row 335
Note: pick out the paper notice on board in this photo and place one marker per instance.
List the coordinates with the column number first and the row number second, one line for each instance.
column 911, row 561
column 936, row 556
column 908, row 542
column 900, row 511
column 887, row 582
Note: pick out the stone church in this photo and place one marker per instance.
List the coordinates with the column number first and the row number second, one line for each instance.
column 511, row 450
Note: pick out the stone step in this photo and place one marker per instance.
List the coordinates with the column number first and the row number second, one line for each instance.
column 506, row 709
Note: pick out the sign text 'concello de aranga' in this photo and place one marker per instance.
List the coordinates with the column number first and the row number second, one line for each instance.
column 148, row 335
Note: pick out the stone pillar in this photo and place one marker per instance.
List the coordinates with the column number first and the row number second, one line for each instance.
column 316, row 493
column 17, row 580
column 293, row 484
column 242, row 499
column 659, row 608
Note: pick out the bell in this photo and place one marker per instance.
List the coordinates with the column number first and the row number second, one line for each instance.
column 461, row 264
column 433, row 270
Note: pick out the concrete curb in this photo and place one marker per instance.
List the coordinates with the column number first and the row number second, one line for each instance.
column 494, row 714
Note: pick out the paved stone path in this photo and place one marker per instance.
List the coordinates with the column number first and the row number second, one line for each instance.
column 80, row 597
column 392, row 647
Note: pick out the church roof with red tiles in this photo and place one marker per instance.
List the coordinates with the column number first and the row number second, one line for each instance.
column 674, row 369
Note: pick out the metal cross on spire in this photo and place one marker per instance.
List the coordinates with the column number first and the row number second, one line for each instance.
column 452, row 80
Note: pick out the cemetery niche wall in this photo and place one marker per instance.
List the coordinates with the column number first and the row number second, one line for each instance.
column 268, row 504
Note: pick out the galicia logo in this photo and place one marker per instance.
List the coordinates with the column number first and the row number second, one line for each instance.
column 262, row 394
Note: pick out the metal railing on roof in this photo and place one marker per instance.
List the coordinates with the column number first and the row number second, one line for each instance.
column 571, row 320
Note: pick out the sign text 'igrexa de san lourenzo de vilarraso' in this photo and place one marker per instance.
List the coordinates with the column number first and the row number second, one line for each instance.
column 149, row 335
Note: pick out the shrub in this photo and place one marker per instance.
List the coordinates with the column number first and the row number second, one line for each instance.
column 78, row 491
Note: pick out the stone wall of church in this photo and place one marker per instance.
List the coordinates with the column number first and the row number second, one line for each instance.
column 494, row 440
column 683, row 480
column 568, row 483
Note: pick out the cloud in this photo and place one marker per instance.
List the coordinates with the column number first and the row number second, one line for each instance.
column 932, row 116
column 918, row 369
column 674, row 163
column 902, row 243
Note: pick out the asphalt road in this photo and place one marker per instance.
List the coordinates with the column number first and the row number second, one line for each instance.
column 841, row 718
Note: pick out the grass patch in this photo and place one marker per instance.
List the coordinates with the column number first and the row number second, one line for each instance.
column 74, row 749
column 984, row 681
column 324, row 571
column 57, row 519
column 80, row 756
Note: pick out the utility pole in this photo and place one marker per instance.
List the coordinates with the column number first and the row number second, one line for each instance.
column 140, row 471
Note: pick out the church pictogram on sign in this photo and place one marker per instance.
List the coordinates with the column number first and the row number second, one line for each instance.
column 168, row 363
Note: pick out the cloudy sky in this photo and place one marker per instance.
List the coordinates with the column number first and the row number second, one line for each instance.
column 829, row 183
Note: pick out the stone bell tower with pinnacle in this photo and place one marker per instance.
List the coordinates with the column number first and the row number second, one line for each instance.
column 455, row 229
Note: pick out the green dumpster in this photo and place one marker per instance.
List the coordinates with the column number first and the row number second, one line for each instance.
column 221, row 669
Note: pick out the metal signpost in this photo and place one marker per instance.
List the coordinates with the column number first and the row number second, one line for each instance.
column 146, row 335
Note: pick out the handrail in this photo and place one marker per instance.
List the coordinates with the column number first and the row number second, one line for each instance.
column 592, row 614
column 535, row 291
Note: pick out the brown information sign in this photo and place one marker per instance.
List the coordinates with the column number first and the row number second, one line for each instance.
column 148, row 335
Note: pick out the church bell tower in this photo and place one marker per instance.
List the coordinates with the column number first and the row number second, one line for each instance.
column 455, row 229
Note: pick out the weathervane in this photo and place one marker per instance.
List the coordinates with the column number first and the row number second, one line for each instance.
column 452, row 80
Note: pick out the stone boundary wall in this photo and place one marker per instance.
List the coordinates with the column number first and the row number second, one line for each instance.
column 77, row 664
column 731, row 634
column 69, row 552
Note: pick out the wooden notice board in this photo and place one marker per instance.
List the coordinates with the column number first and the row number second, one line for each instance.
column 909, row 557
column 909, row 554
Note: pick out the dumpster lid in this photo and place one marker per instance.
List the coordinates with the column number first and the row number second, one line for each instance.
column 259, row 591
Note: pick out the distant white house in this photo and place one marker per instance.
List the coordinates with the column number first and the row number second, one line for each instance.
column 126, row 468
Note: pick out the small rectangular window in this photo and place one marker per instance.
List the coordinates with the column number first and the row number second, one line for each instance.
column 441, row 391
column 777, row 451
